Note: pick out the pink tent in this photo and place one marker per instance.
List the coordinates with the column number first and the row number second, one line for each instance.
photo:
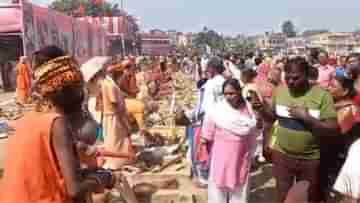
column 10, row 20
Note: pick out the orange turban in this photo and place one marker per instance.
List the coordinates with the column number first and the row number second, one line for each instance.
column 56, row 74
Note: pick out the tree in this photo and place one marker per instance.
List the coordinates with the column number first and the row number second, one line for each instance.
column 288, row 29
column 240, row 44
column 93, row 8
column 208, row 37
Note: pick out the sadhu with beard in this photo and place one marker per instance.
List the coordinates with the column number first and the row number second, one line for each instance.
column 43, row 165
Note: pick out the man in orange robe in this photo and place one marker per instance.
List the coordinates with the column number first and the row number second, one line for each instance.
column 23, row 81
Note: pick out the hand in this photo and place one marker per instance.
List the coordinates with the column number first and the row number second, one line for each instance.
column 267, row 153
column 299, row 113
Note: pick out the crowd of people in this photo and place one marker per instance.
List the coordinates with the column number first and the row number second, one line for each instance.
column 300, row 113
column 305, row 110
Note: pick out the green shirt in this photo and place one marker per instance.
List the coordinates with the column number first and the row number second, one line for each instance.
column 292, row 136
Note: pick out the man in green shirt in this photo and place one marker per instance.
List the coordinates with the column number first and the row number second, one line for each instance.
column 305, row 113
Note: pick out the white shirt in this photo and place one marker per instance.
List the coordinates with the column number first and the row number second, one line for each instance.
column 213, row 92
column 348, row 181
column 235, row 71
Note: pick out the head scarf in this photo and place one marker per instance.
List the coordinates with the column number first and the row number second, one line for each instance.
column 233, row 120
column 56, row 74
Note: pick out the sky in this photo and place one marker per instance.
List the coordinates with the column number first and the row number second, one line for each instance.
column 240, row 16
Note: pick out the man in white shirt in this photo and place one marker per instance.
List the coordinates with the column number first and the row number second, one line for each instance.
column 209, row 94
column 213, row 87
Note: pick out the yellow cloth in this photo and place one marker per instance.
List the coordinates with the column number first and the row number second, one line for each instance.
column 136, row 109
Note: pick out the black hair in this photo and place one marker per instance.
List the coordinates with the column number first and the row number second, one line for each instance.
column 323, row 52
column 314, row 53
column 313, row 73
column 163, row 66
column 300, row 63
column 354, row 71
column 258, row 61
column 249, row 73
column 69, row 99
column 232, row 82
column 241, row 61
column 347, row 83
column 227, row 56
column 217, row 64
column 46, row 54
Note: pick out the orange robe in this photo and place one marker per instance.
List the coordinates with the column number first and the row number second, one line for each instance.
column 31, row 172
column 23, row 83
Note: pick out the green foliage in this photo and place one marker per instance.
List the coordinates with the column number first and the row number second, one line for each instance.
column 242, row 47
column 210, row 38
column 71, row 7
column 288, row 29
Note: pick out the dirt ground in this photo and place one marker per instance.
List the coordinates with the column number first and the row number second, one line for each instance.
column 262, row 183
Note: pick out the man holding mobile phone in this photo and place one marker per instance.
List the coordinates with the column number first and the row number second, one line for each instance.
column 304, row 113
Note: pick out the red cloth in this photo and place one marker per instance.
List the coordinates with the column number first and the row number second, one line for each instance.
column 356, row 99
